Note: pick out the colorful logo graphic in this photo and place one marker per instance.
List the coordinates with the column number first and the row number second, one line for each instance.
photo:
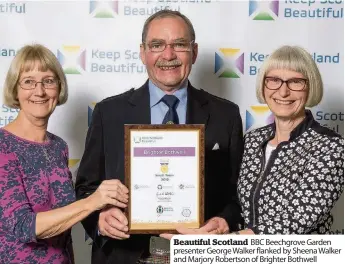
column 258, row 116
column 229, row 63
column 72, row 59
column 263, row 10
column 104, row 9
column 89, row 113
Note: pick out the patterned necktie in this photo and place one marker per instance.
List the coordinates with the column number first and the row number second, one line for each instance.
column 171, row 116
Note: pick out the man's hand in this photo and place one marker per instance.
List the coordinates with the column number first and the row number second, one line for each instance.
column 215, row 225
column 113, row 223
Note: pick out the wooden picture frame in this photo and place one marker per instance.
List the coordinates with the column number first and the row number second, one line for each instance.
column 178, row 148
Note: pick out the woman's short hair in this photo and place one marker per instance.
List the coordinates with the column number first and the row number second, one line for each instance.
column 28, row 58
column 295, row 59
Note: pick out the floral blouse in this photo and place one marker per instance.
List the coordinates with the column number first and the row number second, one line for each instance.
column 300, row 184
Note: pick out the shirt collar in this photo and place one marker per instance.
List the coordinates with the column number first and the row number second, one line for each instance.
column 156, row 94
column 307, row 123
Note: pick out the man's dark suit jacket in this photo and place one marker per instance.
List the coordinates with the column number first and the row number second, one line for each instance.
column 103, row 159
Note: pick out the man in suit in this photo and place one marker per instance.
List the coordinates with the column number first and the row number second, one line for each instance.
column 168, row 50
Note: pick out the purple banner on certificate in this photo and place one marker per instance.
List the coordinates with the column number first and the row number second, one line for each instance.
column 163, row 152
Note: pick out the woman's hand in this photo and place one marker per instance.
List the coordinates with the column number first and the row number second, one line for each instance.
column 54, row 222
column 215, row 226
column 110, row 192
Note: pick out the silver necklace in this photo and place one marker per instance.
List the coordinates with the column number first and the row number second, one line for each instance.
column 45, row 152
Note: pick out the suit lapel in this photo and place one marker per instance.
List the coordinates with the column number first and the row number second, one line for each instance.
column 139, row 106
column 197, row 107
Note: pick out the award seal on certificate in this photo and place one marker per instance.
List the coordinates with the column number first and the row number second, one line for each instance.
column 164, row 167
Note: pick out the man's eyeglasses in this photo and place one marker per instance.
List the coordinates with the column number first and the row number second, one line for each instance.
column 294, row 84
column 48, row 83
column 180, row 46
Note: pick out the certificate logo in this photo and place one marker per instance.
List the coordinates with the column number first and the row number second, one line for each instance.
column 140, row 186
column 186, row 186
column 160, row 209
column 186, row 212
column 161, row 187
column 164, row 196
column 137, row 139
column 164, row 165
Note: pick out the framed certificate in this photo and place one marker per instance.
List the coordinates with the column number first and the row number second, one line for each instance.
column 164, row 172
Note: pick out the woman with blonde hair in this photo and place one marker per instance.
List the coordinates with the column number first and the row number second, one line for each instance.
column 37, row 200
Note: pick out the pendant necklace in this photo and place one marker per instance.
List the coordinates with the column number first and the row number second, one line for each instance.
column 45, row 152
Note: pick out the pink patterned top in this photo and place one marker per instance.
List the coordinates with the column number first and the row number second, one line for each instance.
column 34, row 177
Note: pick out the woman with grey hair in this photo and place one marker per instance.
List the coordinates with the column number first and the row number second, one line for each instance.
column 292, row 171
column 37, row 200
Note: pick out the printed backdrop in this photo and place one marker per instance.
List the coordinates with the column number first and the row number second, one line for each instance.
column 97, row 43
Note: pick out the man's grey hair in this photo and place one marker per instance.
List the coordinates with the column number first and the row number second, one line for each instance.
column 167, row 13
